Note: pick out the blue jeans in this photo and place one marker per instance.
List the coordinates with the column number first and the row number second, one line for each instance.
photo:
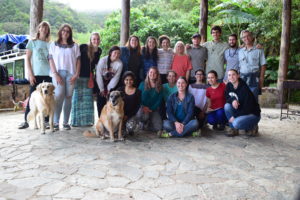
column 244, row 122
column 63, row 96
column 187, row 130
column 217, row 117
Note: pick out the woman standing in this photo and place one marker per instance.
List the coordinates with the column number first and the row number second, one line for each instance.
column 149, row 54
column 241, row 108
column 151, row 101
column 198, row 90
column 180, row 112
column 181, row 61
column 132, row 102
column 216, row 100
column 108, row 73
column 165, row 57
column 64, row 58
column 37, row 62
column 131, row 58
column 82, row 113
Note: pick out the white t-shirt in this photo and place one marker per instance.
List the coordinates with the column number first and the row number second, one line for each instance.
column 199, row 93
column 64, row 56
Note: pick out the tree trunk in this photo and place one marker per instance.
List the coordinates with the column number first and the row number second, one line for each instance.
column 125, row 22
column 36, row 15
column 203, row 20
column 284, row 45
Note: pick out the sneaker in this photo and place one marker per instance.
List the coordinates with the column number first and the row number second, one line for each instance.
column 196, row 133
column 23, row 125
column 221, row 127
column 47, row 125
column 215, row 127
column 67, row 127
column 232, row 132
column 165, row 135
column 56, row 127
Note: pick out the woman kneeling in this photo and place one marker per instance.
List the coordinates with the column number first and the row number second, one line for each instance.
column 241, row 108
column 180, row 112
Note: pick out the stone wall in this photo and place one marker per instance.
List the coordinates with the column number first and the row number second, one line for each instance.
column 22, row 92
column 269, row 97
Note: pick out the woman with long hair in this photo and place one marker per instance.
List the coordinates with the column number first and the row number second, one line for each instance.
column 216, row 100
column 180, row 112
column 149, row 54
column 108, row 74
column 64, row 58
column 37, row 63
column 132, row 102
column 149, row 112
column 131, row 58
column 181, row 62
column 82, row 113
column 165, row 57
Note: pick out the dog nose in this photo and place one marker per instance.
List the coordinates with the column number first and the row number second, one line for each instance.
column 46, row 92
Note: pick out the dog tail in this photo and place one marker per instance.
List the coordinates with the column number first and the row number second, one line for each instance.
column 89, row 133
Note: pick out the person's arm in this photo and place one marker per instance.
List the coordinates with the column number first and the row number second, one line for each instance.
column 77, row 72
column 56, row 75
column 99, row 78
column 187, row 75
column 29, row 67
column 170, row 111
column 263, row 67
column 114, row 81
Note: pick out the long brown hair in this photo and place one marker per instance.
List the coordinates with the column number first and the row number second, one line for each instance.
column 91, row 52
column 42, row 24
column 157, row 82
column 146, row 49
column 138, row 46
column 70, row 40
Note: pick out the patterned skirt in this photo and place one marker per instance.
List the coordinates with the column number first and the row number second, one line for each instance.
column 82, row 113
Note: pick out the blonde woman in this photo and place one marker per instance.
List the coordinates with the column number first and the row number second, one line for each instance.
column 181, row 62
column 37, row 62
column 82, row 113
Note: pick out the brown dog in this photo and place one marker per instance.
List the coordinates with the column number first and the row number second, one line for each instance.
column 111, row 118
column 41, row 105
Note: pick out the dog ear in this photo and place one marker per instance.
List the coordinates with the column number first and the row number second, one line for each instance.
column 52, row 88
column 39, row 87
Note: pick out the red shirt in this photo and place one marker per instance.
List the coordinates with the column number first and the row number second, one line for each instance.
column 216, row 96
column 181, row 64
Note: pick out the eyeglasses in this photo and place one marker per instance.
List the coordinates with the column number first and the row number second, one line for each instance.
column 66, row 30
column 199, row 74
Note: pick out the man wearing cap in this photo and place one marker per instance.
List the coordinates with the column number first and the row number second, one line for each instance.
column 216, row 49
column 252, row 64
column 198, row 56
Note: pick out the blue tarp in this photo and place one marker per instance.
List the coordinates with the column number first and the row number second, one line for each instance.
column 13, row 38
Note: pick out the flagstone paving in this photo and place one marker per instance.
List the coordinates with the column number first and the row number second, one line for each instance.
column 66, row 165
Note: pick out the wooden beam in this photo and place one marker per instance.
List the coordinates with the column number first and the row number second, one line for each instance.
column 125, row 25
column 36, row 15
column 203, row 20
column 284, row 44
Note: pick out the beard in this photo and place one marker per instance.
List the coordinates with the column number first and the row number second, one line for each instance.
column 233, row 45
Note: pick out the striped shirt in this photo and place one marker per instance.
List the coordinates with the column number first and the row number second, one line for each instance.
column 164, row 61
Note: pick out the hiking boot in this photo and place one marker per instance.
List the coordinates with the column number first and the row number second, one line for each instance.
column 56, row 127
column 232, row 132
column 47, row 125
column 215, row 127
column 23, row 125
column 67, row 127
column 221, row 127
column 253, row 132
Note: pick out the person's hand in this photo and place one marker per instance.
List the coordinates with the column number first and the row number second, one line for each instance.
column 231, row 119
column 32, row 79
column 146, row 109
column 188, row 46
column 179, row 127
column 103, row 94
column 201, row 115
column 259, row 46
column 235, row 104
column 73, row 79
column 58, row 79
column 209, row 110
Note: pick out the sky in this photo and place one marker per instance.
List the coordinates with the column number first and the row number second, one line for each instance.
column 92, row 5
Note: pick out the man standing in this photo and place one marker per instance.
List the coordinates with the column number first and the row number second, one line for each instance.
column 231, row 56
column 252, row 64
column 216, row 49
column 198, row 56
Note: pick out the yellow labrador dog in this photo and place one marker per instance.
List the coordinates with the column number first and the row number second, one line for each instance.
column 111, row 118
column 41, row 105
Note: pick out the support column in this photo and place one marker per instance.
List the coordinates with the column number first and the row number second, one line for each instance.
column 125, row 25
column 203, row 20
column 36, row 15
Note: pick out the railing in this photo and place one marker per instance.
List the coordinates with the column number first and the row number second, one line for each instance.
column 11, row 54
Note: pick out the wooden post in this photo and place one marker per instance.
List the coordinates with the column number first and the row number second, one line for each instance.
column 284, row 45
column 203, row 20
column 125, row 25
column 36, row 15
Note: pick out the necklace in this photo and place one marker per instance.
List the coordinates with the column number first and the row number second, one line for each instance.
column 234, row 52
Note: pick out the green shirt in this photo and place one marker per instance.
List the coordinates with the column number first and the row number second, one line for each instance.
column 39, row 57
column 150, row 98
column 167, row 91
column 215, row 60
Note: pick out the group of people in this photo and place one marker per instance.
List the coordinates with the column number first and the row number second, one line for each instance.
column 172, row 92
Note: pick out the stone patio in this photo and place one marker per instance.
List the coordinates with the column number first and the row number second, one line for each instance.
column 66, row 165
